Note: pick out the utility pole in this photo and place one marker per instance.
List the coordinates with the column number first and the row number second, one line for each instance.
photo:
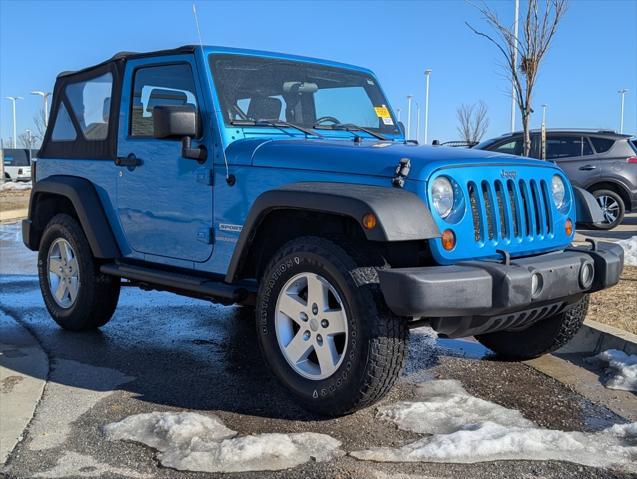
column 622, row 92
column 543, row 133
column 15, row 136
column 45, row 96
column 427, row 73
column 409, row 98
column 515, row 62
column 417, row 121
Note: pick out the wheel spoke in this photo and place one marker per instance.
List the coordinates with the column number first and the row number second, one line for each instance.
column 298, row 349
column 64, row 252
column 292, row 306
column 73, row 288
column 327, row 356
column 60, row 291
column 74, row 265
column 317, row 292
column 337, row 322
column 54, row 266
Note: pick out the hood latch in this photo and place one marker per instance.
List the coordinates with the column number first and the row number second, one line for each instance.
column 402, row 172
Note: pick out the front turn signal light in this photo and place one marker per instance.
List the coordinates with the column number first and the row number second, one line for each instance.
column 369, row 221
column 448, row 240
column 568, row 227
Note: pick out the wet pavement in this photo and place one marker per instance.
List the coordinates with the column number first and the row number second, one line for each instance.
column 162, row 352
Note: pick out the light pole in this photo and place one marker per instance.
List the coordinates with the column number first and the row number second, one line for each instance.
column 515, row 62
column 427, row 73
column 45, row 96
column 398, row 110
column 409, row 98
column 417, row 121
column 14, row 99
column 543, row 133
column 622, row 92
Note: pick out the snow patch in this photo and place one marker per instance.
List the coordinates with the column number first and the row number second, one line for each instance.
column 9, row 185
column 630, row 250
column 620, row 369
column 464, row 429
column 194, row 442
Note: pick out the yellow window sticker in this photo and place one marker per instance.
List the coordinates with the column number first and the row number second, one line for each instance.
column 382, row 112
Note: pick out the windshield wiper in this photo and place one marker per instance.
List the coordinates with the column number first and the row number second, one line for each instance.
column 351, row 127
column 276, row 124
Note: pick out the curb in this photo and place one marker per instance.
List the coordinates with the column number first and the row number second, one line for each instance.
column 24, row 368
column 594, row 337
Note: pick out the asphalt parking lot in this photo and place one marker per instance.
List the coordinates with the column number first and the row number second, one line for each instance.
column 163, row 353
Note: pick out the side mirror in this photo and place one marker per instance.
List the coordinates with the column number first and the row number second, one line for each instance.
column 179, row 121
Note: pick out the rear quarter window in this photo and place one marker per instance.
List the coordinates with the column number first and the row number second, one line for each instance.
column 602, row 145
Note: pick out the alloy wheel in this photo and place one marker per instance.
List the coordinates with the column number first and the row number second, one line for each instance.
column 311, row 326
column 64, row 273
column 610, row 208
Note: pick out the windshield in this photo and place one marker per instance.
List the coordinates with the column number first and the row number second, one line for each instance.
column 253, row 89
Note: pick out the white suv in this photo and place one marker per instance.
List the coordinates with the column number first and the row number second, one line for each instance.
column 17, row 164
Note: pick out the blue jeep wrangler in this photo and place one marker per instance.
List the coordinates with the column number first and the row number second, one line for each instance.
column 286, row 183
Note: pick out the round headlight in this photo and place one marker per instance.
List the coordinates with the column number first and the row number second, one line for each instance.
column 442, row 196
column 558, row 191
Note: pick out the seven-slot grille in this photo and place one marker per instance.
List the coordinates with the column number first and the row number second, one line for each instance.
column 507, row 209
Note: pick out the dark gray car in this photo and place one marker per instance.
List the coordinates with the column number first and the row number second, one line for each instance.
column 602, row 162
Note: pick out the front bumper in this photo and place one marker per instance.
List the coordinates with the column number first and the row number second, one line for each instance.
column 475, row 297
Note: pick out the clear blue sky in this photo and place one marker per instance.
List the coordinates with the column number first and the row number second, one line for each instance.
column 594, row 53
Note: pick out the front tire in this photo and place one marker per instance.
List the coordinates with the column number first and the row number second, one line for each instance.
column 324, row 329
column 543, row 337
column 613, row 209
column 77, row 296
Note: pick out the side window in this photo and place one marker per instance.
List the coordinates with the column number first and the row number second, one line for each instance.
column 567, row 146
column 159, row 86
column 8, row 161
column 91, row 104
column 63, row 129
column 602, row 145
column 510, row 147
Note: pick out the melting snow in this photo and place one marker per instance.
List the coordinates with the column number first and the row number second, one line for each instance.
column 8, row 185
column 465, row 429
column 630, row 250
column 194, row 442
column 620, row 369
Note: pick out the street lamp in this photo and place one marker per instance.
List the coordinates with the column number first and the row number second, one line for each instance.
column 622, row 92
column 398, row 110
column 45, row 96
column 409, row 98
column 427, row 73
column 14, row 99
column 417, row 121
column 543, row 133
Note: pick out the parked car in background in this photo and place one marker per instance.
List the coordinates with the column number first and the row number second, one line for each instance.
column 602, row 162
column 17, row 164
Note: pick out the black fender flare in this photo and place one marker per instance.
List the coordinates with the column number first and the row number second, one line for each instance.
column 88, row 207
column 587, row 210
column 401, row 215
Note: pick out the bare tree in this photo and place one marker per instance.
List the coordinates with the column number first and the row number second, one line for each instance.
column 26, row 140
column 473, row 122
column 39, row 122
column 538, row 29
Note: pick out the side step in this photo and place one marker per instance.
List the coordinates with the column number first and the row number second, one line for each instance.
column 180, row 282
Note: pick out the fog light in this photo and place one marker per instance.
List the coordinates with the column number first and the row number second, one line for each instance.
column 448, row 240
column 568, row 227
column 586, row 275
column 536, row 284
column 369, row 221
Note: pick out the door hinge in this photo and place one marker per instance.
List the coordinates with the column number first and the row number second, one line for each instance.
column 205, row 235
column 205, row 177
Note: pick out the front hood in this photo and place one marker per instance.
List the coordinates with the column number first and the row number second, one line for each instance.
column 369, row 158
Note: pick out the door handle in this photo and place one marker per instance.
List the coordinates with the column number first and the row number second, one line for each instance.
column 587, row 167
column 129, row 161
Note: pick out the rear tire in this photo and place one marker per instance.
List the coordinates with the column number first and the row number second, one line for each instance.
column 543, row 337
column 613, row 208
column 368, row 346
column 77, row 296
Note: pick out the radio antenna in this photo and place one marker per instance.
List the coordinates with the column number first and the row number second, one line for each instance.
column 194, row 12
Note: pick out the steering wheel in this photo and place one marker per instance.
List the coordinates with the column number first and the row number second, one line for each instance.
column 323, row 119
